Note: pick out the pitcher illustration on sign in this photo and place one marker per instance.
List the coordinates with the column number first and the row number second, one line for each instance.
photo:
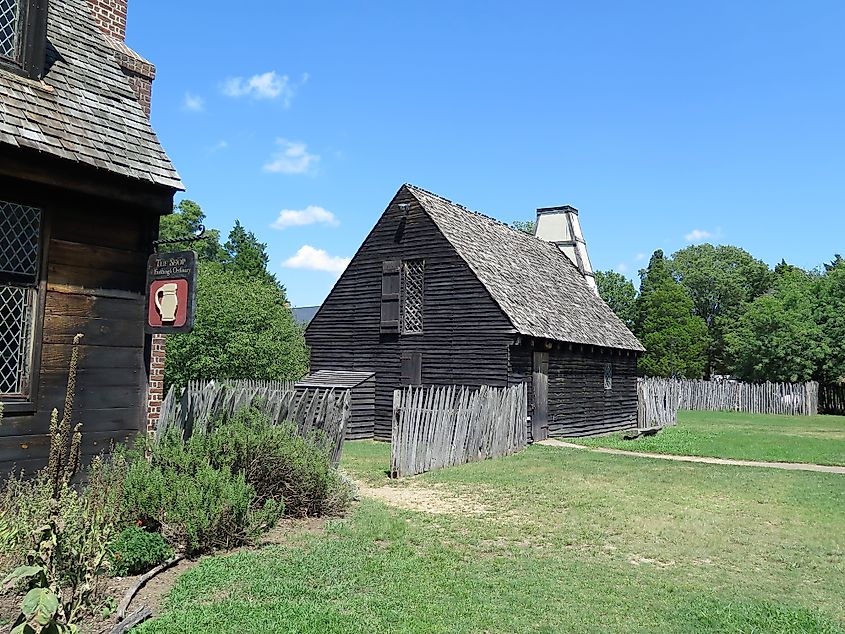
column 167, row 302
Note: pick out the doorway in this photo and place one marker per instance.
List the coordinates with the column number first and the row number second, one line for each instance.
column 540, row 415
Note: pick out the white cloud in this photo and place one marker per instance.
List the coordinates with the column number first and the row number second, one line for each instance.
column 293, row 158
column 316, row 260
column 220, row 145
column 696, row 235
column 193, row 103
column 622, row 267
column 301, row 217
column 267, row 85
column 639, row 257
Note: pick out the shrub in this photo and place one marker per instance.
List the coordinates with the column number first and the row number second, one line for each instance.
column 198, row 506
column 136, row 550
column 219, row 489
column 56, row 534
column 278, row 463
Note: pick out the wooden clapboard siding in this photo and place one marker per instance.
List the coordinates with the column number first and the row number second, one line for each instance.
column 93, row 283
column 465, row 335
column 578, row 403
column 363, row 411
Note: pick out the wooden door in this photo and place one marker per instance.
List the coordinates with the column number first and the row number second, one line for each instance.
column 540, row 415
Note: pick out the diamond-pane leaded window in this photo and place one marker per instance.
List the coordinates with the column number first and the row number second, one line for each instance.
column 15, row 344
column 20, row 228
column 20, row 239
column 10, row 13
column 413, row 283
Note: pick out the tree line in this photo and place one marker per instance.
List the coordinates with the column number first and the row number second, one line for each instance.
column 718, row 310
column 244, row 326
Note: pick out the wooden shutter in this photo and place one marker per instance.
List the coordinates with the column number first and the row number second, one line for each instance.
column 411, row 368
column 390, row 296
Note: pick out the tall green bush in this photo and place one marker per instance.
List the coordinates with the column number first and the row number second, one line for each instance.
column 197, row 506
column 244, row 330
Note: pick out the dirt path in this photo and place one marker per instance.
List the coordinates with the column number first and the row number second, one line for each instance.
column 789, row 466
column 438, row 500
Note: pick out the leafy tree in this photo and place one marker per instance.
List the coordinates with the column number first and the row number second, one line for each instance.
column 777, row 338
column 721, row 281
column 244, row 330
column 619, row 293
column 185, row 221
column 676, row 340
column 245, row 254
column 830, row 316
column 525, row 226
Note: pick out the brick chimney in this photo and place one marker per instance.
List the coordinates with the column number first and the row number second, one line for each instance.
column 110, row 16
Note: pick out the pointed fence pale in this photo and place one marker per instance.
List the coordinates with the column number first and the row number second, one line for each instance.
column 660, row 399
column 319, row 413
column 436, row 427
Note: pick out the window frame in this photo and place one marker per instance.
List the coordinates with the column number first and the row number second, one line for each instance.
column 608, row 377
column 28, row 403
column 403, row 295
column 30, row 57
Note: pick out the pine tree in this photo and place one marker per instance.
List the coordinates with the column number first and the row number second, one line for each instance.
column 675, row 339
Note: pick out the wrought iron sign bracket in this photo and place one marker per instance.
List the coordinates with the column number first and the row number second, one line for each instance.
column 200, row 235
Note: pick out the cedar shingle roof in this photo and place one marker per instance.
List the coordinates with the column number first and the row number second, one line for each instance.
column 537, row 287
column 86, row 111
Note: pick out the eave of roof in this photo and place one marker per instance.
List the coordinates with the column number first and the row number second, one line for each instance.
column 84, row 110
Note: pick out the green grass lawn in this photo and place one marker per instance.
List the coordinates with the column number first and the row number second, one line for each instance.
column 816, row 439
column 550, row 540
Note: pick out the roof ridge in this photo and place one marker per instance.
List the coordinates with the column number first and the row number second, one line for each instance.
column 472, row 211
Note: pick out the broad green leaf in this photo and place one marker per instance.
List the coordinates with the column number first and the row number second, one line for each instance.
column 21, row 573
column 40, row 606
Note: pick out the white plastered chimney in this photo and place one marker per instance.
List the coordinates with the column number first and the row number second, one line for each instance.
column 561, row 226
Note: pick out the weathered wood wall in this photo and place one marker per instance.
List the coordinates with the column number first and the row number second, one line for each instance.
column 93, row 283
column 465, row 334
column 579, row 404
column 363, row 411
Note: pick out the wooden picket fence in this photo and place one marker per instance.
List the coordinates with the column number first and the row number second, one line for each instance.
column 832, row 399
column 436, row 427
column 658, row 401
column 319, row 413
column 792, row 399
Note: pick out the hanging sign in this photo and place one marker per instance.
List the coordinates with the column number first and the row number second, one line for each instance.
column 171, row 292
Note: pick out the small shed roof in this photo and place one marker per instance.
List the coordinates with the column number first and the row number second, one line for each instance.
column 537, row 287
column 304, row 314
column 342, row 379
column 84, row 110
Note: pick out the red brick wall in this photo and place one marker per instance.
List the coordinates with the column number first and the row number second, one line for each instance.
column 155, row 392
column 143, row 89
column 111, row 16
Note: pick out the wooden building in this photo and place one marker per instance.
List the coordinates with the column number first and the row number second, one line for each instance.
column 440, row 295
column 363, row 393
column 83, row 181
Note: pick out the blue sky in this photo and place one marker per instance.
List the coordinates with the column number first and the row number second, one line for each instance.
column 665, row 123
